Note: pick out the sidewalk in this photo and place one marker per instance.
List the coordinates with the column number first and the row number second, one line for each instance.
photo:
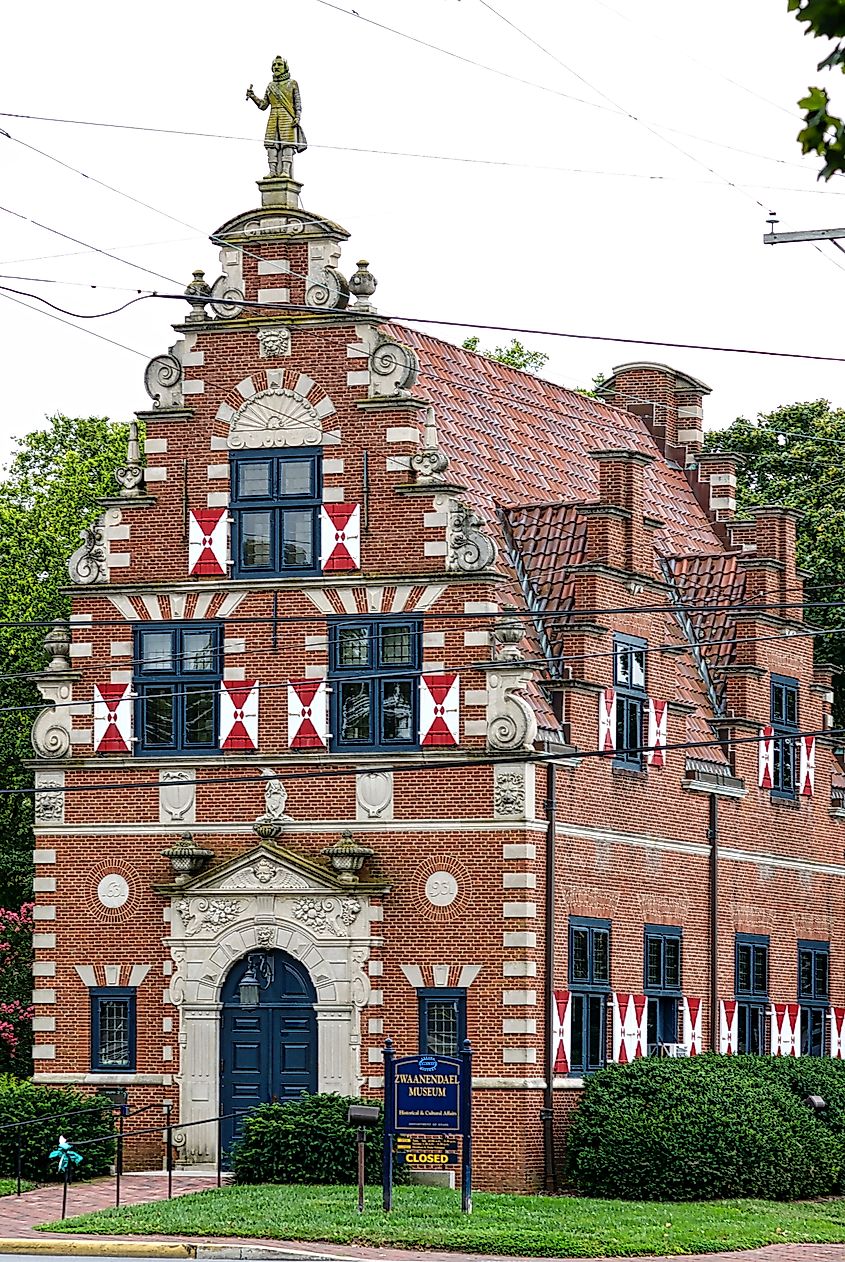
column 19, row 1217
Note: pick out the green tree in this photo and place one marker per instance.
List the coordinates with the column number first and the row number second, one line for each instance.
column 823, row 132
column 517, row 355
column 796, row 456
column 48, row 494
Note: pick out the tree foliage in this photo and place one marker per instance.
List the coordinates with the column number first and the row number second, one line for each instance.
column 48, row 494
column 796, row 456
column 16, row 991
column 516, row 355
column 823, row 132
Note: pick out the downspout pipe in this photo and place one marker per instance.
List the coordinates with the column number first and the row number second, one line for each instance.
column 713, row 838
column 547, row 1111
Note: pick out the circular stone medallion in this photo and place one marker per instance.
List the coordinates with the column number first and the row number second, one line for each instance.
column 113, row 890
column 441, row 889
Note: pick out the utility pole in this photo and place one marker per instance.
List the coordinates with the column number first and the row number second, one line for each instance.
column 809, row 234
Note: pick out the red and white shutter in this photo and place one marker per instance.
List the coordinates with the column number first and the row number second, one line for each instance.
column 208, row 532
column 806, row 766
column 440, row 705
column 561, row 1031
column 766, row 764
column 308, row 721
column 340, row 537
column 630, row 1027
column 728, row 1026
column 658, row 717
column 786, row 1029
column 239, row 714
column 112, row 718
column 837, row 1033
column 607, row 721
column 691, row 1036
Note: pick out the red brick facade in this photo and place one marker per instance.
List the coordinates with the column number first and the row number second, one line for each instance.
column 606, row 520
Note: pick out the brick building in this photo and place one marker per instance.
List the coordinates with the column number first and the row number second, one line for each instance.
column 425, row 697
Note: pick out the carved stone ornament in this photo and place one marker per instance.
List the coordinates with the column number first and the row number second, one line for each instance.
column 227, row 299
column 163, row 381
column 187, row 858
column 130, row 477
column 508, row 792
column 207, row 913
column 327, row 915
column 177, row 796
column 51, row 730
column 57, row 645
column 429, row 463
column 325, row 287
column 470, row 549
column 264, row 870
column 88, row 563
column 363, row 284
column 511, row 722
column 276, row 417
column 265, row 937
column 273, row 343
column 508, row 634
column 49, row 797
column 374, row 794
column 197, row 293
column 393, row 370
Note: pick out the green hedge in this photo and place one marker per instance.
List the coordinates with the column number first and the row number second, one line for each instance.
column 22, row 1101
column 708, row 1127
column 306, row 1140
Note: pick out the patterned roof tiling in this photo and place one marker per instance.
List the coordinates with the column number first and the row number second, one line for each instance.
column 513, row 438
column 711, row 580
column 546, row 539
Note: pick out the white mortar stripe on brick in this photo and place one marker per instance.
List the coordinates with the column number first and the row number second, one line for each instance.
column 217, row 499
column 45, row 996
column 203, row 604
column 519, row 911
column 400, row 597
column 316, row 644
column 280, row 294
column 414, row 975
column 375, row 968
column 121, row 648
column 120, row 676
column 519, row 1056
column 316, row 670
column 475, row 727
column 358, row 377
column 44, row 913
column 519, row 968
column 519, row 1025
column 152, row 604
column 480, row 606
column 402, row 434
column 167, row 1052
column 397, row 464
column 155, row 446
column 320, row 600
column 376, row 999
column 43, row 1051
column 44, row 941
column 304, row 384
column 225, row 414
column 519, row 881
column 218, row 443
column 435, row 548
column 119, row 560
column 522, row 939
column 43, row 856
column 273, row 267
column 467, row 975
column 523, row 998
column 192, row 387
column 473, row 639
column 347, row 598
column 435, row 521
column 81, row 650
column 334, row 494
column 44, row 968
column 124, row 606
column 475, row 696
column 519, row 850
column 217, row 471
column 236, row 644
column 43, row 1025
column 155, row 473
column 431, row 593
column 44, row 885
column 375, row 1025
column 231, row 603
column 334, row 465
column 323, row 409
column 434, row 639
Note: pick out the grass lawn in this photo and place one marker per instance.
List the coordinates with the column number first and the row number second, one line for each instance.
column 541, row 1226
column 8, row 1186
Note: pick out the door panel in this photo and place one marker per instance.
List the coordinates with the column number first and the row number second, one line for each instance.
column 268, row 1052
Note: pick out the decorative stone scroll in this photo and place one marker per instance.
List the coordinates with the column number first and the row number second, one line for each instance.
column 51, row 730
column 163, row 381
column 90, row 562
column 394, row 368
column 469, row 548
column 511, row 722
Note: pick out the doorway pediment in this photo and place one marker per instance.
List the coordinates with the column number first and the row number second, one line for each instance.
column 267, row 869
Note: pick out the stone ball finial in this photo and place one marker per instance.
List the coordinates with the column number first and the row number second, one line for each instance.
column 362, row 283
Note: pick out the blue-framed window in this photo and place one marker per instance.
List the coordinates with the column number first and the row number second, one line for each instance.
column 178, row 670
column 589, row 987
column 629, row 681
column 374, row 669
column 662, row 983
column 813, row 995
column 785, row 725
column 443, row 1021
column 113, row 1030
column 275, row 506
column 752, row 991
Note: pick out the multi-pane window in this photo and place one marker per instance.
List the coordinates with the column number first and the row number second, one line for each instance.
column 813, row 995
column 662, row 976
column 113, row 1030
column 374, row 672
column 177, row 679
column 275, row 507
column 629, row 679
column 785, row 725
column 589, row 985
column 752, row 991
column 442, row 1021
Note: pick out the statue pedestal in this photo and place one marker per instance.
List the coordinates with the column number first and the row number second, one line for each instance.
column 280, row 191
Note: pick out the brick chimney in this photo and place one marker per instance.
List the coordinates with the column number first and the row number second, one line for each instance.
column 715, row 486
column 669, row 401
column 768, row 559
column 617, row 534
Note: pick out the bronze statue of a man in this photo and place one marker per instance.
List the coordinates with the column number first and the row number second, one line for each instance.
column 284, row 136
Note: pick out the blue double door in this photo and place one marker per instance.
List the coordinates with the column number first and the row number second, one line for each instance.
column 267, row 1052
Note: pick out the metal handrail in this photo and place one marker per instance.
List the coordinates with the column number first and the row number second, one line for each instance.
column 51, row 1117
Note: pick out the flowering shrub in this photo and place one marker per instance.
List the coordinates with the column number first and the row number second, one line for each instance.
column 15, row 990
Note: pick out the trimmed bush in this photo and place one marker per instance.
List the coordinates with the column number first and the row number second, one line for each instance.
column 22, row 1101
column 710, row 1127
column 306, row 1140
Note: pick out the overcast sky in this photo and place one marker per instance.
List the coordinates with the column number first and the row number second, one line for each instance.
column 599, row 224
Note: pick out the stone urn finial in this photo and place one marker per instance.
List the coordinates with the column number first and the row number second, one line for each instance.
column 57, row 645
column 347, row 857
column 186, row 858
column 508, row 633
column 198, row 293
column 362, row 284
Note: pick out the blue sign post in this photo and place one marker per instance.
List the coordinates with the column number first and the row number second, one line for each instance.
column 428, row 1095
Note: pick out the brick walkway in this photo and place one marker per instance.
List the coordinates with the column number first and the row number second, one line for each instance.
column 19, row 1217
